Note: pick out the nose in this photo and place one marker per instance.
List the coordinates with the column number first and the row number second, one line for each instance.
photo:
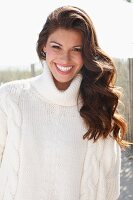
column 65, row 57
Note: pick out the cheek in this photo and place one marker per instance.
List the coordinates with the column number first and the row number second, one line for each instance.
column 79, row 60
column 50, row 53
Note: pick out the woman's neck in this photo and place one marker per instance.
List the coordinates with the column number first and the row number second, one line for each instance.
column 61, row 86
column 46, row 87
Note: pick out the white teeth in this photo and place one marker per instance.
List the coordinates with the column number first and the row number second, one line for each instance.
column 64, row 69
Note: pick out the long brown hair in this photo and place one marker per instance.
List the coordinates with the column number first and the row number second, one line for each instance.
column 98, row 91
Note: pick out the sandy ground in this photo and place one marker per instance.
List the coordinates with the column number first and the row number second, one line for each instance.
column 127, row 175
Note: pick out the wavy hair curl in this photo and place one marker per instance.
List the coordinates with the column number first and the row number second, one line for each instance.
column 98, row 91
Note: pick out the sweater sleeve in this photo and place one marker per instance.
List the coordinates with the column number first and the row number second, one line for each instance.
column 110, row 167
column 101, row 171
column 113, row 177
column 9, row 97
column 3, row 127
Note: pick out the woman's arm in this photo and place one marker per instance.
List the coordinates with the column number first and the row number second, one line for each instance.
column 3, row 132
column 101, row 171
column 109, row 174
column 110, row 168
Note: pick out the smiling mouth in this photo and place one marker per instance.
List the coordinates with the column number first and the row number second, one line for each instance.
column 64, row 69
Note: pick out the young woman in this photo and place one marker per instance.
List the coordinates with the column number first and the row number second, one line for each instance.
column 60, row 132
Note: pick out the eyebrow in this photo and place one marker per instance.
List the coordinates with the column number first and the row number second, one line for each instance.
column 62, row 45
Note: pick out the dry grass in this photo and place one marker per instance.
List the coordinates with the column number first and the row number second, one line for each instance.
column 10, row 75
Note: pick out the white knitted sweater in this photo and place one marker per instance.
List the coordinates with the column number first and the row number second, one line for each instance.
column 42, row 153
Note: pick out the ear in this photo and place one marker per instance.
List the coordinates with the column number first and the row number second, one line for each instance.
column 44, row 49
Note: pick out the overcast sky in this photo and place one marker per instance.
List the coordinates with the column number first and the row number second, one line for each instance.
column 22, row 20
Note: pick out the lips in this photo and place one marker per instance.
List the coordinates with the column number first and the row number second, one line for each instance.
column 64, row 70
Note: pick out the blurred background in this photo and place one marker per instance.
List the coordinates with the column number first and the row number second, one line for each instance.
column 20, row 24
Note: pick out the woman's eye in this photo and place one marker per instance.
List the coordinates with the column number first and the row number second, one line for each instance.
column 56, row 47
column 77, row 49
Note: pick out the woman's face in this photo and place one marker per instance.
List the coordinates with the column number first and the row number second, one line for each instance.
column 64, row 56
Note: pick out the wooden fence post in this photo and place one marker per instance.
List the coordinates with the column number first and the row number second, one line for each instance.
column 33, row 69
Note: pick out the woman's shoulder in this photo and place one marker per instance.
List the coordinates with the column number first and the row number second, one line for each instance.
column 11, row 91
column 14, row 86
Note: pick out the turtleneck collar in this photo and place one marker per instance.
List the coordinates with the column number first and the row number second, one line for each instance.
column 45, row 86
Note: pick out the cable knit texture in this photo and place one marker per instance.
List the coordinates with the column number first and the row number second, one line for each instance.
column 42, row 152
